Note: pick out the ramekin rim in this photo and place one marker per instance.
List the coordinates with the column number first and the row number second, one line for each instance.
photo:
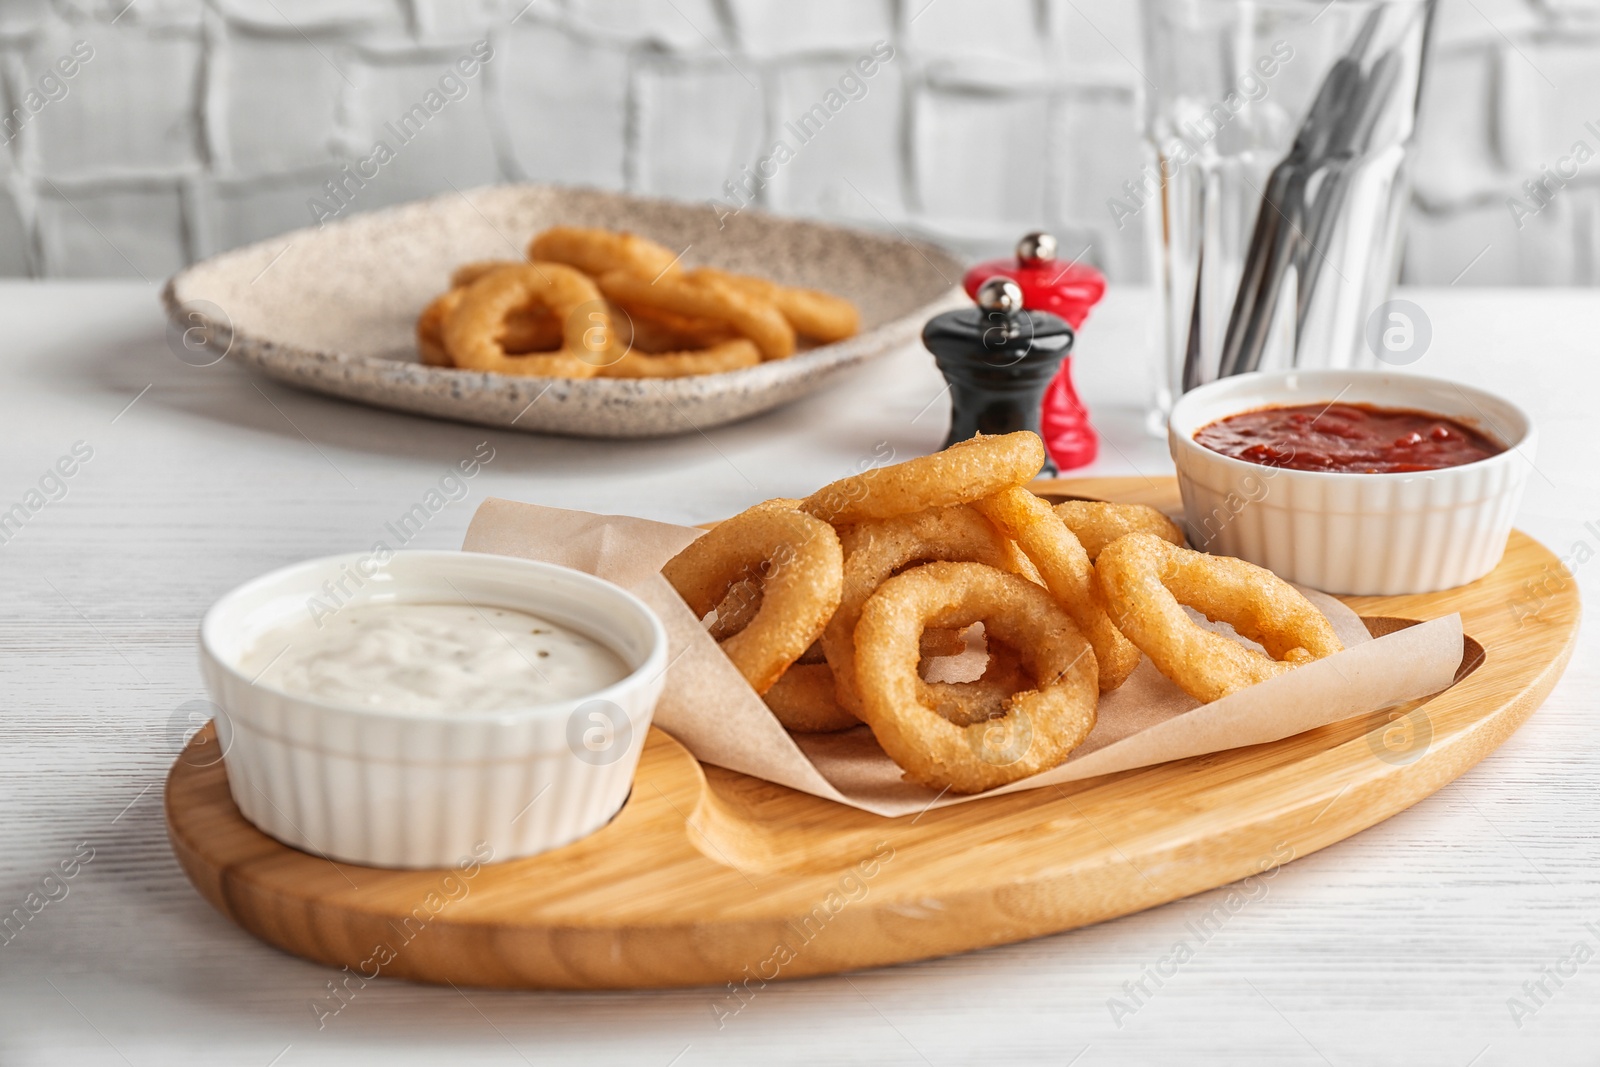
column 1529, row 435
column 654, row 662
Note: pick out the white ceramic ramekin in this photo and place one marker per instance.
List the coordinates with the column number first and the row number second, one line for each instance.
column 1354, row 533
column 400, row 789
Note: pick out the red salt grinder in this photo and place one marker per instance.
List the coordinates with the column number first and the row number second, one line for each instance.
column 1068, row 290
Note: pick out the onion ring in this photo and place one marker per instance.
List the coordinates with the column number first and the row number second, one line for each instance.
column 430, row 329
column 530, row 328
column 1067, row 573
column 1098, row 523
column 820, row 316
column 527, row 329
column 663, row 331
column 803, row 701
column 718, row 359
column 472, row 331
column 1147, row 580
column 797, row 561
column 937, row 644
column 965, row 703
column 737, row 608
column 876, row 550
column 470, row 272
column 744, row 599
column 966, row 471
column 704, row 299
column 1040, row 727
column 595, row 251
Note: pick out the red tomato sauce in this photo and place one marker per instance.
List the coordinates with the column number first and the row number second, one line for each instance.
column 1347, row 438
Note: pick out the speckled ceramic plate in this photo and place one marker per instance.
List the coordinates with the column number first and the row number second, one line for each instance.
column 332, row 309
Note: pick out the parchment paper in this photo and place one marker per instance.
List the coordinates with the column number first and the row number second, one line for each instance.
column 710, row 709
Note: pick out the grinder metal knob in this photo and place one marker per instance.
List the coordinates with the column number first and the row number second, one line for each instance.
column 1036, row 248
column 1000, row 294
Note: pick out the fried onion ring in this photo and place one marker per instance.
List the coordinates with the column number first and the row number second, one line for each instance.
column 530, row 328
column 472, row 331
column 470, row 272
column 738, row 607
column 1147, row 580
column 595, row 251
column 704, row 299
column 820, row 316
column 430, row 329
column 966, row 471
column 1040, row 727
column 1098, row 523
column 662, row 331
column 876, row 550
column 730, row 355
column 803, row 701
column 799, row 565
column 744, row 599
column 965, row 703
column 937, row 644
column 527, row 329
column 804, row 698
column 1067, row 573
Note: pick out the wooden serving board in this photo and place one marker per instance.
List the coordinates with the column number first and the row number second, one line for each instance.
column 708, row 876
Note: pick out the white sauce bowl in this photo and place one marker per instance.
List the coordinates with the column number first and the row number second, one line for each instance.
column 407, row 789
column 1364, row 534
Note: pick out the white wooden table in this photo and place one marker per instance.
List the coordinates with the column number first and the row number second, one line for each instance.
column 1402, row 945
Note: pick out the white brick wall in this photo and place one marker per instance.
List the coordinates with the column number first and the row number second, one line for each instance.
column 198, row 125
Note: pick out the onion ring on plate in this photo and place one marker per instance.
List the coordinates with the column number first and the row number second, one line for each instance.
column 718, row 359
column 803, row 701
column 1040, row 727
column 876, row 550
column 1067, row 573
column 531, row 328
column 430, row 329
column 704, row 299
column 471, row 271
column 1146, row 582
column 820, row 316
column 662, row 331
column 527, row 329
column 472, row 331
column 1097, row 523
column 595, row 251
column 797, row 561
column 966, row 471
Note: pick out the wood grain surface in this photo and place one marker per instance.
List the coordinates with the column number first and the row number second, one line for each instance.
column 662, row 895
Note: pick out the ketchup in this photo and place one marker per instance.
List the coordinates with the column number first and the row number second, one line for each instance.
column 1347, row 438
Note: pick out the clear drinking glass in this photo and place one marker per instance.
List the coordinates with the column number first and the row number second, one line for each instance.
column 1278, row 133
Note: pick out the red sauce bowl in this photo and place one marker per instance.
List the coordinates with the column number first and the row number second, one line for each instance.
column 1354, row 532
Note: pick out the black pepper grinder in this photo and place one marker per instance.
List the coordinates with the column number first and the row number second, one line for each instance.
column 999, row 358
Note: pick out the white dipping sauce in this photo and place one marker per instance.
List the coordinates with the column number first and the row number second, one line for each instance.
column 432, row 658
